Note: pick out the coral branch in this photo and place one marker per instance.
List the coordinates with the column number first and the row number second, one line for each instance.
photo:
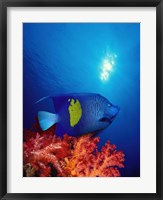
column 44, row 154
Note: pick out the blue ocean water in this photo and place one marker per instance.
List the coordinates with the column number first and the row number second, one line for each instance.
column 101, row 58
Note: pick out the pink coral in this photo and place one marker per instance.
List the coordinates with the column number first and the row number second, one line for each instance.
column 44, row 154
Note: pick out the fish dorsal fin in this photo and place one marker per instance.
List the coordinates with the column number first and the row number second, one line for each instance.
column 42, row 99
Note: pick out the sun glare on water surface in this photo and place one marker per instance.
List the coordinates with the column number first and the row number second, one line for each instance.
column 107, row 67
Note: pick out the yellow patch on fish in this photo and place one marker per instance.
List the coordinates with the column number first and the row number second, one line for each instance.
column 75, row 112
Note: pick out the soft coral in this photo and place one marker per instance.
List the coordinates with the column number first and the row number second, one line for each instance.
column 68, row 156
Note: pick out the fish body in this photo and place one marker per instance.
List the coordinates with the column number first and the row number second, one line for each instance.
column 77, row 114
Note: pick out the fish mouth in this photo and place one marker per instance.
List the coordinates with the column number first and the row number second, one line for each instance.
column 107, row 119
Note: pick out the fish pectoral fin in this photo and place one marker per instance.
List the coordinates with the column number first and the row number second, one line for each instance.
column 46, row 119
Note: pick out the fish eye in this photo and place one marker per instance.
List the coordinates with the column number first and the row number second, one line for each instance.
column 109, row 104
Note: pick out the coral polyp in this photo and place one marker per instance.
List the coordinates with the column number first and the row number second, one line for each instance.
column 46, row 155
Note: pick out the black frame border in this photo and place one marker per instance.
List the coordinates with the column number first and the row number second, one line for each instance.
column 4, row 4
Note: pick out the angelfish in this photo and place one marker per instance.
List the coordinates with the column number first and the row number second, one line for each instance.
column 78, row 113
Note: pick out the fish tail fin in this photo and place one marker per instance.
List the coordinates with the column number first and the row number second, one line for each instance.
column 46, row 119
column 42, row 99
